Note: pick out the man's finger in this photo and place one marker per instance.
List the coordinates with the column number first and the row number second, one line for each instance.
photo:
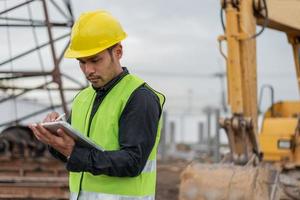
column 37, row 134
column 61, row 133
column 64, row 135
column 51, row 117
column 45, row 133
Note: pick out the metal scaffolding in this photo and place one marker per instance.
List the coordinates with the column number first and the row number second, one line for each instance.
column 63, row 7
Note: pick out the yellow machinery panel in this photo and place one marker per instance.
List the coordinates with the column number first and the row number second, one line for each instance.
column 284, row 109
column 276, row 138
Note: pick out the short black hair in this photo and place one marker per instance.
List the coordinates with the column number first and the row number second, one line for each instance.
column 110, row 49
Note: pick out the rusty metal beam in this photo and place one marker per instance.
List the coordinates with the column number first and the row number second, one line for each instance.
column 35, row 179
column 15, row 7
column 17, row 75
column 21, row 20
column 60, row 10
column 21, row 72
column 17, row 121
column 25, row 90
column 39, row 88
column 73, row 80
column 56, row 71
column 33, row 49
column 37, row 25
column 68, row 5
column 61, row 56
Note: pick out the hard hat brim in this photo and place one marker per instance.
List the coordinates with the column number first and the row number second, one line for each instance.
column 69, row 53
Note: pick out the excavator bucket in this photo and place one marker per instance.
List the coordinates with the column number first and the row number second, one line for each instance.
column 229, row 182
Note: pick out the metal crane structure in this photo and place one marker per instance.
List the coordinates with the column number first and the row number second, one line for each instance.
column 257, row 163
column 27, row 170
column 14, row 92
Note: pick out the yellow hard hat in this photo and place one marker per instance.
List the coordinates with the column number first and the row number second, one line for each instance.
column 94, row 32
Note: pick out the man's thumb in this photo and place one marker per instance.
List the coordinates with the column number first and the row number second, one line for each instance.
column 61, row 133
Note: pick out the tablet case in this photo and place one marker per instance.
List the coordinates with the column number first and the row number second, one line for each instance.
column 76, row 135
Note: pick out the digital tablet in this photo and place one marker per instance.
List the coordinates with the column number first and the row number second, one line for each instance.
column 77, row 136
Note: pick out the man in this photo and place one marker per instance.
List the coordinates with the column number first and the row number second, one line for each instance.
column 119, row 111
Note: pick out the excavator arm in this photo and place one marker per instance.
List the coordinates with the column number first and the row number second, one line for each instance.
column 240, row 34
column 282, row 15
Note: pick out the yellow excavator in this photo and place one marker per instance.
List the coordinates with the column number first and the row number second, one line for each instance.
column 265, row 165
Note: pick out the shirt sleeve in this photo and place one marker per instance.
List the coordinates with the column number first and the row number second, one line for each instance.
column 56, row 154
column 137, row 132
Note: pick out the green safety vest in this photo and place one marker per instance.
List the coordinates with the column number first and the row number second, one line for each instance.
column 104, row 130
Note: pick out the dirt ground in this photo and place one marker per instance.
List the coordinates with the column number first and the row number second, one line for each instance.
column 168, row 179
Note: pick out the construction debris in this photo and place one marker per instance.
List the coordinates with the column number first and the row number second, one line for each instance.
column 228, row 182
column 27, row 170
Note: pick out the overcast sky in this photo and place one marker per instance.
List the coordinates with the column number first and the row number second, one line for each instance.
column 180, row 37
column 172, row 44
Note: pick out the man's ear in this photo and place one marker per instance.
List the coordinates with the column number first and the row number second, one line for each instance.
column 118, row 51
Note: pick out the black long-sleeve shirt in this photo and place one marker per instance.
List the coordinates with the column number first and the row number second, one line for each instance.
column 137, row 132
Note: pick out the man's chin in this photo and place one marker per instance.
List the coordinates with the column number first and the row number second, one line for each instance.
column 96, row 84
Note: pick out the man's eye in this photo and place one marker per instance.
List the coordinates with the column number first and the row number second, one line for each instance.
column 94, row 61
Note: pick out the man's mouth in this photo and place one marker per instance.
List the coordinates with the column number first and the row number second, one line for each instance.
column 93, row 79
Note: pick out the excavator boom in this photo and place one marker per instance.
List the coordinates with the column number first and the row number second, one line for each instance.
column 283, row 15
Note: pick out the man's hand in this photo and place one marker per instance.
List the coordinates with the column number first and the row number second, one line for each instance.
column 59, row 140
column 51, row 117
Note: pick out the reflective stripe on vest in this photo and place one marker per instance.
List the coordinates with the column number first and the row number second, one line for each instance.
column 102, row 196
column 150, row 166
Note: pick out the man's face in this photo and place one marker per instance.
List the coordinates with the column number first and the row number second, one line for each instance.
column 99, row 69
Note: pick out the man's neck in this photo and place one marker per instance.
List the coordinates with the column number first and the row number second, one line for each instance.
column 118, row 75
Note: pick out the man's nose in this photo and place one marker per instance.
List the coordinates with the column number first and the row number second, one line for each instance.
column 88, row 68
